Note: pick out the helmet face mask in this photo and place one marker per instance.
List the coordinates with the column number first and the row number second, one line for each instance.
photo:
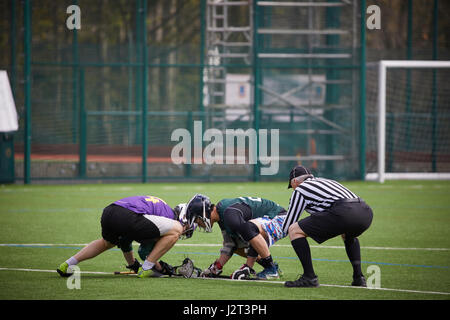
column 180, row 213
column 199, row 208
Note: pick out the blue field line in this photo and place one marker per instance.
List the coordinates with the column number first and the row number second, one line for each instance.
column 215, row 254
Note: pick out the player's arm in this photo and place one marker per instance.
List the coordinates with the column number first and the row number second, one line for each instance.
column 226, row 252
column 297, row 204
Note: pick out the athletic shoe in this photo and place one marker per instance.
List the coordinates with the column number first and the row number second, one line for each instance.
column 62, row 270
column 269, row 273
column 144, row 273
column 359, row 281
column 304, row 282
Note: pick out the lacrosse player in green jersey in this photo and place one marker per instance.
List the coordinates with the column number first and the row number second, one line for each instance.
column 246, row 222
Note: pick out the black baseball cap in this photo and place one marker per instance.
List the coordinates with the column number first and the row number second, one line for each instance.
column 297, row 172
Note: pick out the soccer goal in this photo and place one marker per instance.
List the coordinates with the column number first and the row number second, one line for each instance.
column 408, row 120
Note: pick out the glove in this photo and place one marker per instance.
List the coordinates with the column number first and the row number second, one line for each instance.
column 135, row 266
column 243, row 272
column 166, row 268
column 213, row 270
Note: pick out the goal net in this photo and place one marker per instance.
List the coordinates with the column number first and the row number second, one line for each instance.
column 408, row 120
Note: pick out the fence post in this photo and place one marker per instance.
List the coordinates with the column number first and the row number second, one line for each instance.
column 144, row 92
column 83, row 127
column 27, row 78
column 13, row 36
column 75, row 76
column 362, row 95
column 409, row 56
column 202, row 54
column 138, row 70
column 434, row 90
column 256, row 92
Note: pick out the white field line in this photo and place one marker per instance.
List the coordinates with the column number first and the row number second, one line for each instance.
column 260, row 281
column 219, row 245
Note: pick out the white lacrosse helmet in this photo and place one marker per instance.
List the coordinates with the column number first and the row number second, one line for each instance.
column 181, row 211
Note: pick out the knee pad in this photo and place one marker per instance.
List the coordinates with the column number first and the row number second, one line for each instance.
column 248, row 231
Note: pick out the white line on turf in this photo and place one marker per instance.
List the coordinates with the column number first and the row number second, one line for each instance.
column 259, row 281
column 219, row 245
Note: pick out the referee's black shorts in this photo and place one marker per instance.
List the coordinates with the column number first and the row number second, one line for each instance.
column 350, row 218
column 120, row 225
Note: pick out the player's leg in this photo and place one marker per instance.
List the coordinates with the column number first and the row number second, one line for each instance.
column 357, row 218
column 260, row 245
column 353, row 250
column 237, row 217
column 165, row 243
column 168, row 232
column 90, row 251
column 93, row 249
column 272, row 231
column 303, row 251
column 109, row 239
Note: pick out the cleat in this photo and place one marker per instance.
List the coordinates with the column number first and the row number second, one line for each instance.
column 144, row 273
column 359, row 281
column 62, row 270
column 269, row 273
column 151, row 273
column 303, row 282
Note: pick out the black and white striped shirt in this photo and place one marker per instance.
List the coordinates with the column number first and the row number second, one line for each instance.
column 314, row 195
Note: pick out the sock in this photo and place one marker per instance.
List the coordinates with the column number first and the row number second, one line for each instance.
column 266, row 262
column 301, row 248
column 72, row 261
column 354, row 255
column 147, row 265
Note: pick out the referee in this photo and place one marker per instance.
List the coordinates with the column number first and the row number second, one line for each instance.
column 335, row 210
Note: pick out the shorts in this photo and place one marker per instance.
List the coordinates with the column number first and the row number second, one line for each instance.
column 348, row 218
column 120, row 225
column 235, row 218
column 273, row 228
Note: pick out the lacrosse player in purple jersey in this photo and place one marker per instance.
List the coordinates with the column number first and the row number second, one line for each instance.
column 147, row 220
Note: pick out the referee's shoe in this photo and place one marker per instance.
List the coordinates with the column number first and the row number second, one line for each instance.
column 303, row 282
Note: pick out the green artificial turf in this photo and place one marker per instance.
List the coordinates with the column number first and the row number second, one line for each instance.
column 43, row 225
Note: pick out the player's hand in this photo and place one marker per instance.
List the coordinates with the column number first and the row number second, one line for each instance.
column 135, row 266
column 166, row 268
column 213, row 270
column 243, row 272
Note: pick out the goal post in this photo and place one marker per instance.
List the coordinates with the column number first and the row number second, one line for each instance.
column 383, row 66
